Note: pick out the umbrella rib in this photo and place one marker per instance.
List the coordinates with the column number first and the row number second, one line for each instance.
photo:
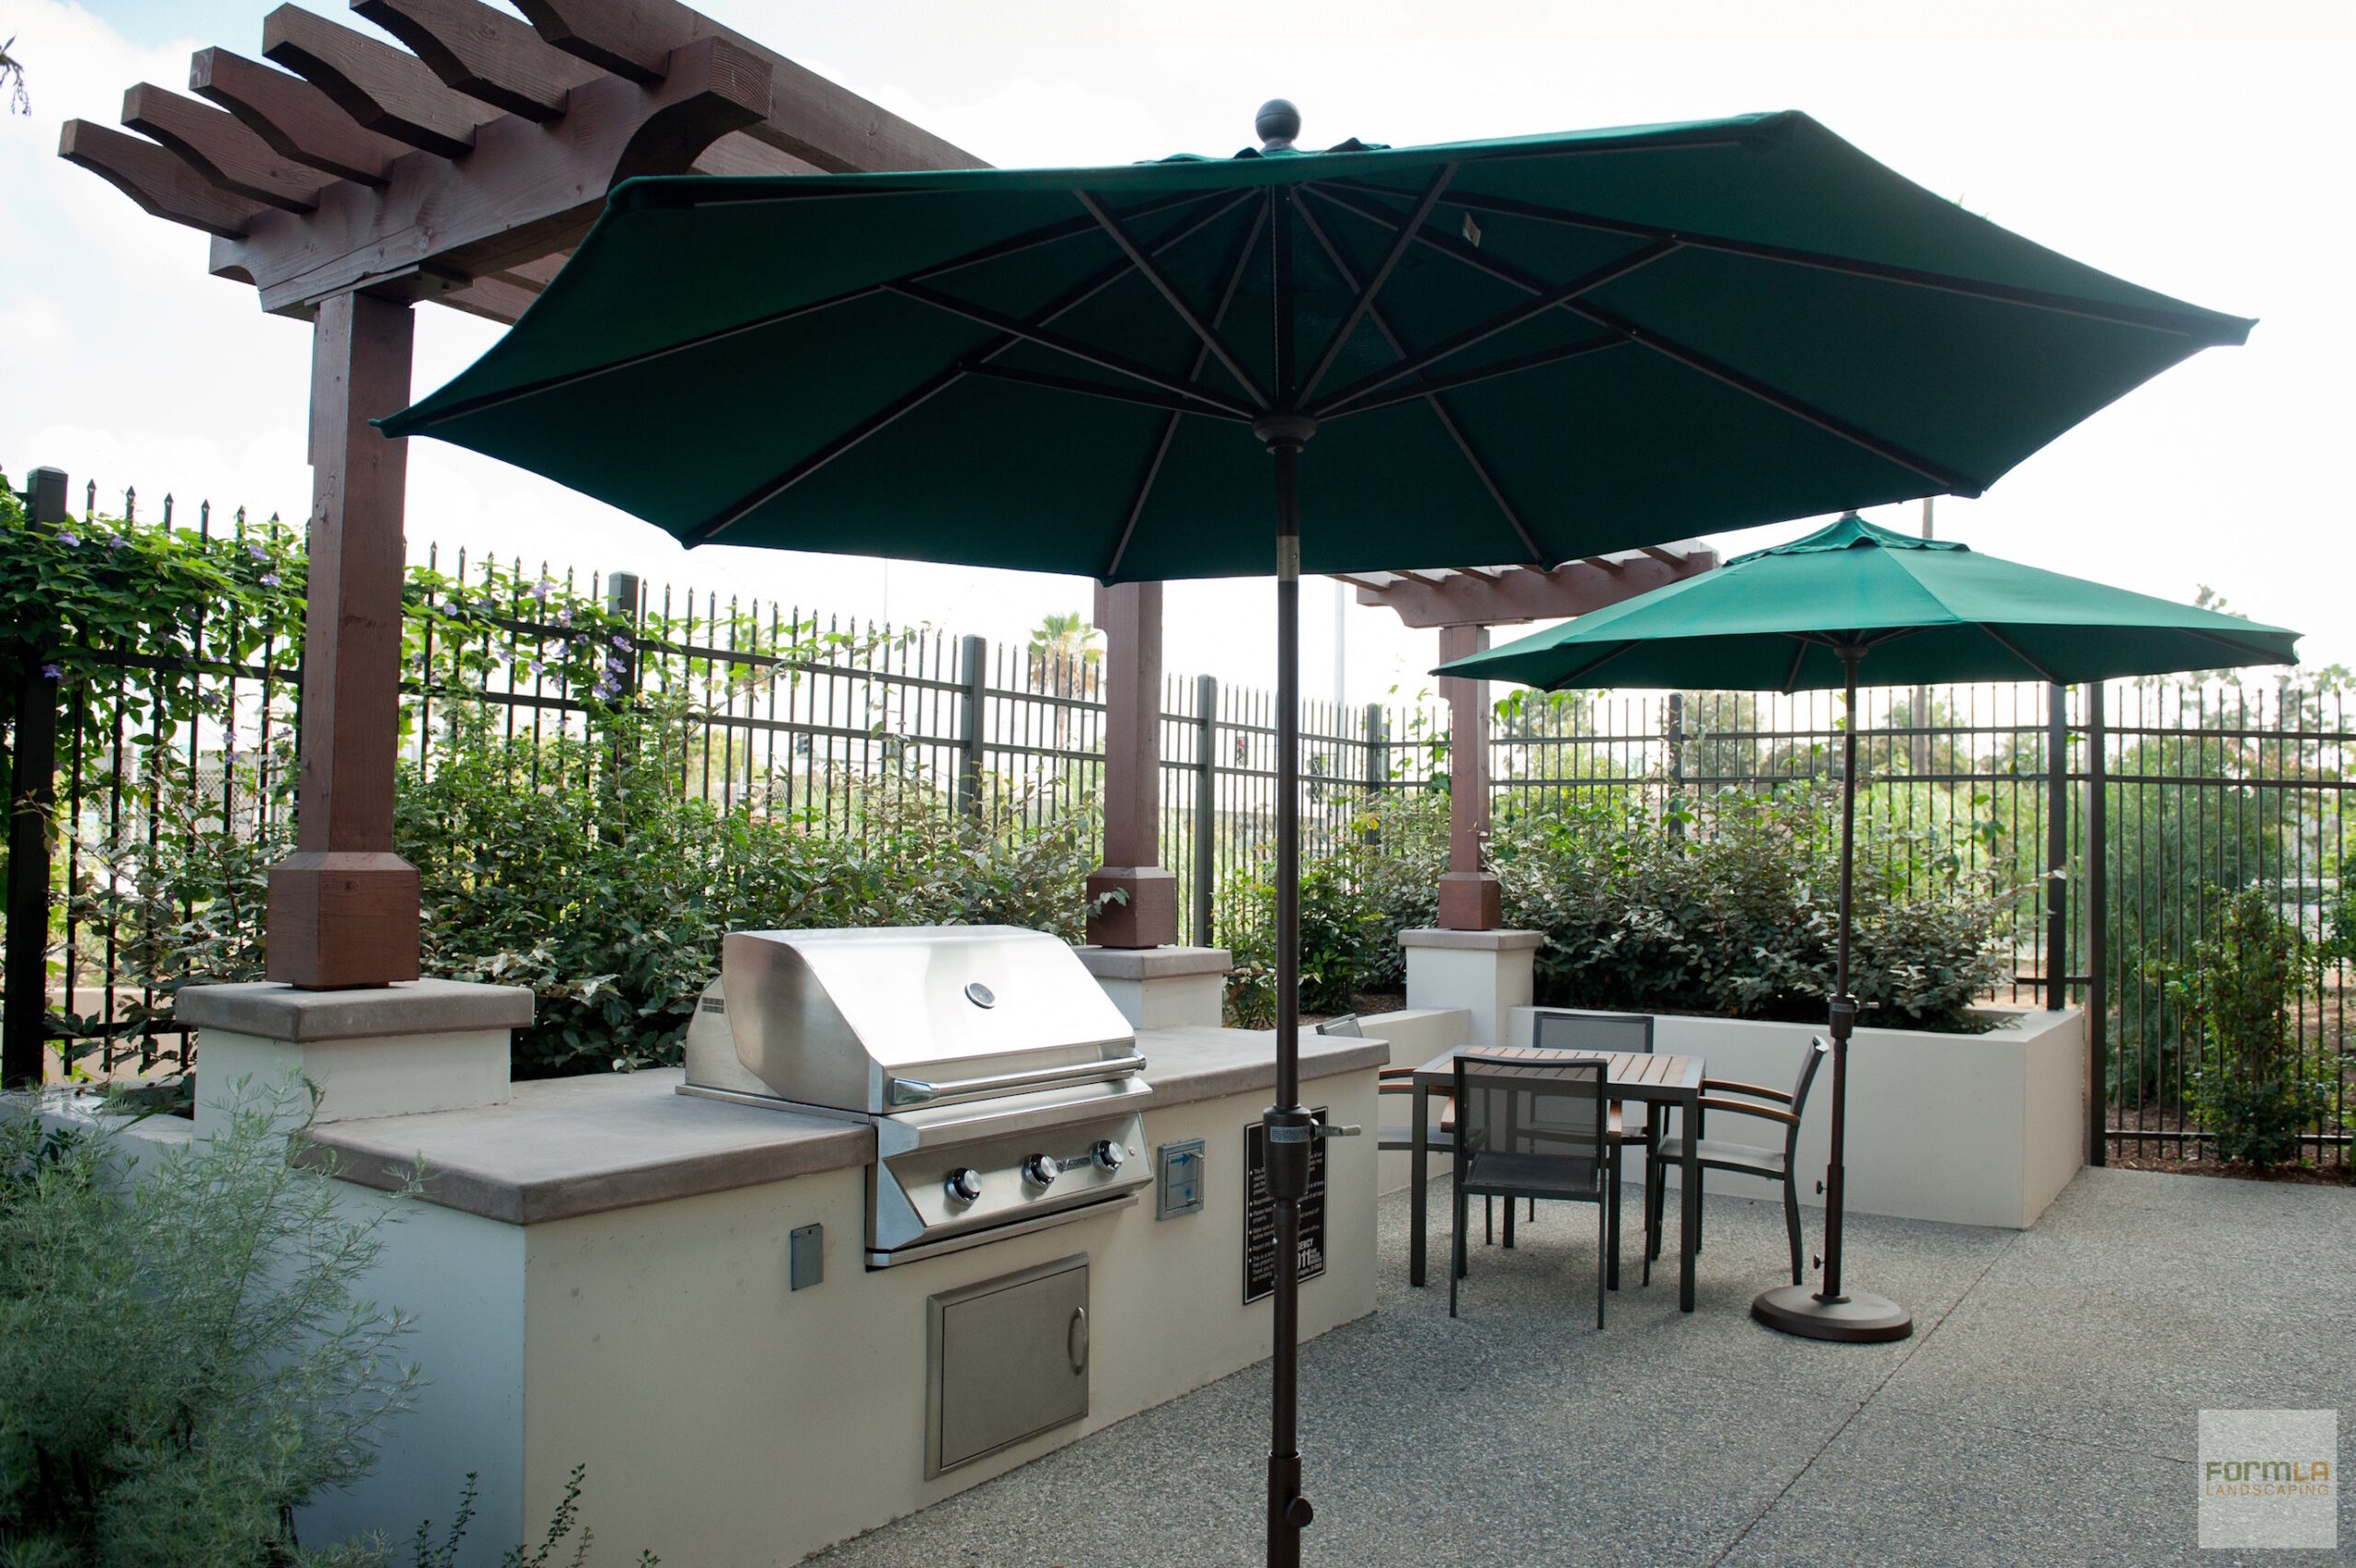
column 1101, row 358
column 1548, row 297
column 1378, row 278
column 1070, row 228
column 2018, row 651
column 1073, row 299
column 1799, row 652
column 1911, row 277
column 1170, row 296
column 1491, row 372
column 1430, row 395
column 2257, row 654
column 1170, row 426
column 1691, row 359
column 1167, row 401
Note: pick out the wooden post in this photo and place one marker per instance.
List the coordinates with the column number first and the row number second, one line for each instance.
column 343, row 907
column 1206, row 805
column 33, row 786
column 972, row 704
column 2097, row 930
column 2057, row 847
column 1130, row 616
column 1468, row 895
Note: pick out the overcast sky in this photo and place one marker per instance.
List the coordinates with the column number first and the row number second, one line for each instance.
column 2199, row 147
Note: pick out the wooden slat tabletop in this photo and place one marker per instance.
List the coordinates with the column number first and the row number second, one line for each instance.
column 1628, row 1069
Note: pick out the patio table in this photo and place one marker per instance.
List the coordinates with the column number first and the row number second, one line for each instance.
column 1651, row 1079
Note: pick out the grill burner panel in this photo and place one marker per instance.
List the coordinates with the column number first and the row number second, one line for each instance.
column 1003, row 1085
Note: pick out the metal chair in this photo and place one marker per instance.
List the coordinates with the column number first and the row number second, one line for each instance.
column 1566, row 1028
column 1528, row 1129
column 1777, row 1165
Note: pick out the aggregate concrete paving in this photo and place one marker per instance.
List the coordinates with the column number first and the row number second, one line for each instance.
column 2045, row 1412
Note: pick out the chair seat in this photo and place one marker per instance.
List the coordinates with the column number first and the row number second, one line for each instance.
column 1402, row 1135
column 1533, row 1176
column 1727, row 1156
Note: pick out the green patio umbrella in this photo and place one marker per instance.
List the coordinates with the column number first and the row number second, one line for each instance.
column 1490, row 352
column 1804, row 616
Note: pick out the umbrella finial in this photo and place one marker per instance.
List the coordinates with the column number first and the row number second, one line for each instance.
column 1276, row 125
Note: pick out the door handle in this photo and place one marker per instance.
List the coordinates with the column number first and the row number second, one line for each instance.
column 1075, row 1340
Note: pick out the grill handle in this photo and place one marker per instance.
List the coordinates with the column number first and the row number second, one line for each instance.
column 916, row 1091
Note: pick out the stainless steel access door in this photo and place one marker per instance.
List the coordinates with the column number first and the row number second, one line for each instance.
column 1005, row 1360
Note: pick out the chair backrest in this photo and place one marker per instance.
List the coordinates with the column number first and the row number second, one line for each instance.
column 1342, row 1023
column 1515, row 1106
column 1551, row 1030
column 1810, row 1059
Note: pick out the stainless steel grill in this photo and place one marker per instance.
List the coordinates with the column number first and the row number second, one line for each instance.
column 1003, row 1085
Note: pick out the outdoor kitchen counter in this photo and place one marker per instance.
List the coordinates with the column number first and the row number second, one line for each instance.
column 566, row 1147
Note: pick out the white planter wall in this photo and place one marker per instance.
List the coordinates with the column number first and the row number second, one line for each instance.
column 1974, row 1129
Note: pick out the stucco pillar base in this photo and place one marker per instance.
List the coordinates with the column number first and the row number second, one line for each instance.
column 1485, row 973
column 1146, row 917
column 342, row 918
column 423, row 1045
column 1163, row 987
column 1469, row 901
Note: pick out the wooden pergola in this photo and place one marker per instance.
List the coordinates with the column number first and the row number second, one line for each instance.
column 363, row 180
column 1464, row 605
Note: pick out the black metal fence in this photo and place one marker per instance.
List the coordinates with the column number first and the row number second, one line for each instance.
column 2139, row 806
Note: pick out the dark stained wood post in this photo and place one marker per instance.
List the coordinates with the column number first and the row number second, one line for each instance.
column 343, row 907
column 1130, row 616
column 1468, row 895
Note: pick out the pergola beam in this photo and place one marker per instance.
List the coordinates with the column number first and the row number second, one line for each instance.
column 526, row 191
column 486, row 54
column 222, row 150
column 161, row 184
column 1489, row 598
column 292, row 117
column 383, row 89
column 829, row 126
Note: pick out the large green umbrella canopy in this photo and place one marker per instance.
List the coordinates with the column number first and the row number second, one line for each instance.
column 1491, row 353
column 1577, row 343
column 1927, row 609
column 1811, row 615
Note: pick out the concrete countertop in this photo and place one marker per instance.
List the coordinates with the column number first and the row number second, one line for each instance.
column 567, row 1147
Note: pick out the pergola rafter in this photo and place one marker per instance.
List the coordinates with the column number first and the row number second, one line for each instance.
column 350, row 179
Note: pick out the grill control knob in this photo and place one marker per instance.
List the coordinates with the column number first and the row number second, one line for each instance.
column 964, row 1185
column 1041, row 1170
column 1107, row 1155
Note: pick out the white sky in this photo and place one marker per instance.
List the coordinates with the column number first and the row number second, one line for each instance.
column 2202, row 147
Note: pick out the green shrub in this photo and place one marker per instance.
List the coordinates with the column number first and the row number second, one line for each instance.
column 183, row 1358
column 2256, row 1089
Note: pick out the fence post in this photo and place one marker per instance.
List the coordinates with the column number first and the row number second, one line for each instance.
column 2057, row 846
column 1676, row 761
column 621, row 603
column 1378, row 764
column 34, row 789
column 973, row 659
column 2097, row 931
column 1206, row 804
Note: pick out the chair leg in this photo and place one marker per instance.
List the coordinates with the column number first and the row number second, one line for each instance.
column 1456, row 1252
column 1792, row 1222
column 1533, row 1210
column 1612, row 1225
column 1488, row 1221
column 1508, row 1224
column 1602, row 1251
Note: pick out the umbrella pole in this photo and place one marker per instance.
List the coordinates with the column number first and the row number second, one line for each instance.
column 1827, row 1313
column 1287, row 1125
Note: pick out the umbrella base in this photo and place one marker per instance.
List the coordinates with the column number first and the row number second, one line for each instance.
column 1853, row 1320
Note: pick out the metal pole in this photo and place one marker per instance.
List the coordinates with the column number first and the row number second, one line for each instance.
column 2057, row 847
column 1844, row 1007
column 2097, row 931
column 1378, row 764
column 1206, row 805
column 972, row 673
column 23, row 1041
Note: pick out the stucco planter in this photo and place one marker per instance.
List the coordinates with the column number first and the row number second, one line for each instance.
column 1974, row 1129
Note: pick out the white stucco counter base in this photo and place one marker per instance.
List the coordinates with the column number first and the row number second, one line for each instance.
column 601, row 1277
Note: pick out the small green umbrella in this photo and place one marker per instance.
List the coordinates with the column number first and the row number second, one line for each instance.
column 1803, row 616
column 1292, row 361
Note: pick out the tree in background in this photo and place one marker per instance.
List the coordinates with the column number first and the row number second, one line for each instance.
column 12, row 76
column 1063, row 649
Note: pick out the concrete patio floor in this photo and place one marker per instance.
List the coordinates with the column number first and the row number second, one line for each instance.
column 2045, row 1410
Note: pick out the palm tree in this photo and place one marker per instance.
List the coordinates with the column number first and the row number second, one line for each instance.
column 1063, row 649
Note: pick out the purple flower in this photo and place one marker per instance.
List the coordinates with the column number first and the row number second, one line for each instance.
column 52, row 672
column 116, row 541
column 541, row 591
column 68, row 540
column 564, row 618
column 621, row 642
column 269, row 579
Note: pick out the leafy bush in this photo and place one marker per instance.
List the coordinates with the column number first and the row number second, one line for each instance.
column 1724, row 906
column 2256, row 1089
column 184, row 1360
column 580, row 869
